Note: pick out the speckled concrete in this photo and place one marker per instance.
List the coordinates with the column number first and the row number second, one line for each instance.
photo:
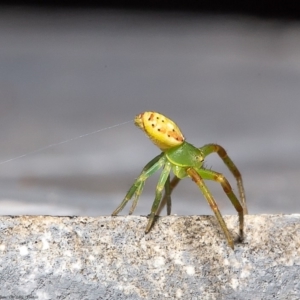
column 44, row 257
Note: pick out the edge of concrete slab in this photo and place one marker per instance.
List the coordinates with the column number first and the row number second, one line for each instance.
column 187, row 257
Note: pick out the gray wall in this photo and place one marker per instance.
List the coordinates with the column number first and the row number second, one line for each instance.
column 231, row 80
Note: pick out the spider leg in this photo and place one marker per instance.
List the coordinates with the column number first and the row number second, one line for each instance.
column 212, row 175
column 154, row 165
column 197, row 178
column 137, row 194
column 164, row 176
column 211, row 148
column 167, row 196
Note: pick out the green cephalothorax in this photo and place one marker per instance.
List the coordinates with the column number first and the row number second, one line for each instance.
column 184, row 160
column 184, row 156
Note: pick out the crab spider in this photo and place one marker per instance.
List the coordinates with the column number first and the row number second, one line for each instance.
column 185, row 160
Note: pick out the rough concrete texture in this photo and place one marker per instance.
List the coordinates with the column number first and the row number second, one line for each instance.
column 44, row 257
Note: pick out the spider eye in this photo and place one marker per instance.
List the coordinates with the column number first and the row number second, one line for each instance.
column 199, row 158
column 158, row 129
column 152, row 125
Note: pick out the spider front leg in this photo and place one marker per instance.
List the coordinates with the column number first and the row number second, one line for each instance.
column 198, row 177
column 164, row 177
column 167, row 196
column 211, row 148
column 136, row 189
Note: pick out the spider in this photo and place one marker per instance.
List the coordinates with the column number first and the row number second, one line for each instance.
column 185, row 160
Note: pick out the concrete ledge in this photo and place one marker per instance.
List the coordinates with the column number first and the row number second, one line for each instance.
column 44, row 257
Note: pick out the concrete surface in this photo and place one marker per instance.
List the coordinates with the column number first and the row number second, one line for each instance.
column 45, row 257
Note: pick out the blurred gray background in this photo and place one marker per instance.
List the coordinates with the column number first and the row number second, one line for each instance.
column 231, row 80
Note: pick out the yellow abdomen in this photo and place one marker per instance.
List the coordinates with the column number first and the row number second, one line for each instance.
column 163, row 132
